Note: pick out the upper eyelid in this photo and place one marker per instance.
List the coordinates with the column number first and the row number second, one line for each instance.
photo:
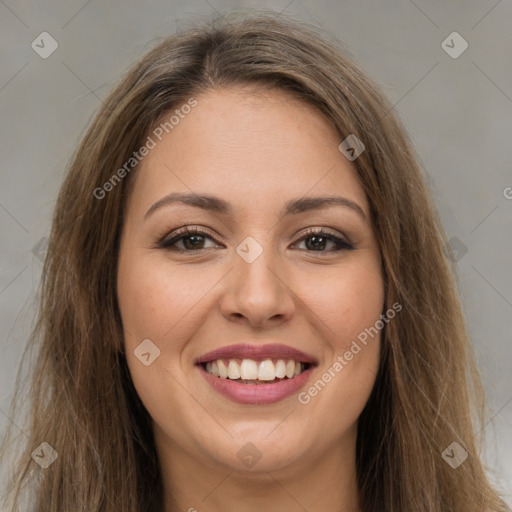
column 185, row 231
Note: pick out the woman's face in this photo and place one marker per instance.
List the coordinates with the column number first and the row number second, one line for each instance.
column 273, row 277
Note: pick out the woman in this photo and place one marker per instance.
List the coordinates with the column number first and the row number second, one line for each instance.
column 246, row 304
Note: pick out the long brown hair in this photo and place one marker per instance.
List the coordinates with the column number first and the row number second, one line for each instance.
column 83, row 404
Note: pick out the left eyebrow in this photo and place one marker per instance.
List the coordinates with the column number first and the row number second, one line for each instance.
column 218, row 205
column 305, row 204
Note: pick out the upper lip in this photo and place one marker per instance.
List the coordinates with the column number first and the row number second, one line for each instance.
column 257, row 352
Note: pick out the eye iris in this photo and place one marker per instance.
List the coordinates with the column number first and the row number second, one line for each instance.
column 319, row 243
column 198, row 239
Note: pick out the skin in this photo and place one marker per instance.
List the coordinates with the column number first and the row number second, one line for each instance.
column 256, row 151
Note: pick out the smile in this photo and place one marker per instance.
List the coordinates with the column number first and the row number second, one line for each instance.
column 256, row 374
column 249, row 371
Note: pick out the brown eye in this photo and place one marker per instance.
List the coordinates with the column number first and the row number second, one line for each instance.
column 191, row 239
column 318, row 241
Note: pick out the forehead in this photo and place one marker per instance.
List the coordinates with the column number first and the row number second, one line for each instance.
column 248, row 145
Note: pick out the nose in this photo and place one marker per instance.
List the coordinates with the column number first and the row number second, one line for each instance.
column 257, row 293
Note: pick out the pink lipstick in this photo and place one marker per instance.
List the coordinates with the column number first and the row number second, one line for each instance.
column 256, row 374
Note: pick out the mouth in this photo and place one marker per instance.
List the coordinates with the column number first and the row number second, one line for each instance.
column 251, row 371
column 256, row 374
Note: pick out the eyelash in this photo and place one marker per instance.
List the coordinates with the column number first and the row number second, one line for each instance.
column 169, row 243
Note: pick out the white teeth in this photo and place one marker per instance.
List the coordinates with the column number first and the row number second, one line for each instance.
column 223, row 369
column 233, row 370
column 266, row 370
column 250, row 370
column 290, row 369
column 280, row 369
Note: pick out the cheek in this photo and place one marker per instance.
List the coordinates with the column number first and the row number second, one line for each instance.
column 153, row 300
column 154, row 303
column 351, row 307
column 349, row 303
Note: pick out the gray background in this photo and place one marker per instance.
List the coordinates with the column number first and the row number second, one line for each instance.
column 458, row 112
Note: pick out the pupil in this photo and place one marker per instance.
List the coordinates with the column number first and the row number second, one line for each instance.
column 320, row 242
column 192, row 245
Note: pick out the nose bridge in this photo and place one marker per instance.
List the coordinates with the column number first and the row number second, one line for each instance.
column 256, row 290
column 258, row 267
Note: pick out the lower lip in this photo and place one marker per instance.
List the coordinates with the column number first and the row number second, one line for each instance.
column 256, row 394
